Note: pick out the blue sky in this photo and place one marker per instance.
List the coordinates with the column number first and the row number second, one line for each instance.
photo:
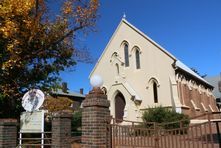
column 188, row 29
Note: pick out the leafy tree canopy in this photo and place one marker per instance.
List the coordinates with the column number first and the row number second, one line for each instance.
column 35, row 46
column 58, row 104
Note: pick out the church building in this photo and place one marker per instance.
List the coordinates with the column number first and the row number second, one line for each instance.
column 138, row 74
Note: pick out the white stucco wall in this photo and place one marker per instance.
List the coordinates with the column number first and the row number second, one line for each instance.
column 155, row 63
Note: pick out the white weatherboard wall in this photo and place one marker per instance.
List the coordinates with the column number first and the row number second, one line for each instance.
column 136, row 83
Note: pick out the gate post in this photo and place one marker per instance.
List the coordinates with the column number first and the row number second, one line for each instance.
column 8, row 133
column 95, row 117
column 61, row 130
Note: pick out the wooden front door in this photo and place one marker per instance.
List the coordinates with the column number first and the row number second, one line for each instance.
column 119, row 106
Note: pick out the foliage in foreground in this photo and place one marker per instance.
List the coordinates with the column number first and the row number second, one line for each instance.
column 76, row 123
column 36, row 43
column 164, row 117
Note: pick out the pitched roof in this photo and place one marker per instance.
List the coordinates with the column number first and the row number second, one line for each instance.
column 182, row 66
column 139, row 32
column 148, row 38
column 177, row 62
column 69, row 93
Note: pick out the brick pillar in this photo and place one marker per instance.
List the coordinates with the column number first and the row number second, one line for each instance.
column 61, row 130
column 8, row 133
column 95, row 117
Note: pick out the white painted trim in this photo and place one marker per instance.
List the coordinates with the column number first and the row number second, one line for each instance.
column 20, row 139
column 210, row 107
column 42, row 130
column 178, row 110
column 197, row 121
column 155, row 79
column 125, row 112
column 205, row 109
column 189, row 84
column 194, row 105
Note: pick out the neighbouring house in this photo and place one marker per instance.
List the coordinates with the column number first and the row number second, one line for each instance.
column 216, row 82
column 138, row 73
column 76, row 97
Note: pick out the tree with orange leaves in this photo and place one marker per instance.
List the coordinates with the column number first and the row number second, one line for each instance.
column 35, row 46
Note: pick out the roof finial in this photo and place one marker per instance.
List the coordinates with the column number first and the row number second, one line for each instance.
column 124, row 16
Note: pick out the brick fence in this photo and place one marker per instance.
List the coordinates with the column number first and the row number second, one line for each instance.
column 61, row 130
column 8, row 133
column 95, row 116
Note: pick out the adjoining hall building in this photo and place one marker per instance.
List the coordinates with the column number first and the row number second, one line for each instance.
column 65, row 93
column 216, row 82
column 138, row 73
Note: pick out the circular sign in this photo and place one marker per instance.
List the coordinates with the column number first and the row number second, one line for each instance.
column 32, row 100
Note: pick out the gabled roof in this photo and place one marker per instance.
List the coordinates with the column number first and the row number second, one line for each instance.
column 178, row 63
column 148, row 38
column 124, row 21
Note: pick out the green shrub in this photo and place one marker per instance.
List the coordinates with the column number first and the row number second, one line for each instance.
column 165, row 118
column 76, row 123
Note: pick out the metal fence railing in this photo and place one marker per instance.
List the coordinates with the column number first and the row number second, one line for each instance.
column 203, row 133
column 30, row 140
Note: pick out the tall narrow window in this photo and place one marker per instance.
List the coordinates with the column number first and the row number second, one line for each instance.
column 117, row 70
column 155, row 95
column 126, row 55
column 137, row 54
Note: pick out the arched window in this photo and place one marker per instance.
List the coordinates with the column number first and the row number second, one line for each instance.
column 155, row 95
column 153, row 84
column 126, row 55
column 137, row 55
column 120, row 104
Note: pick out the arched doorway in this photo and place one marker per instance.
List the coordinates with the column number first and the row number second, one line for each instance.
column 120, row 104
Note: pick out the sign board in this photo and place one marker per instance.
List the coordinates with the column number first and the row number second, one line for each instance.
column 32, row 122
column 32, row 100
